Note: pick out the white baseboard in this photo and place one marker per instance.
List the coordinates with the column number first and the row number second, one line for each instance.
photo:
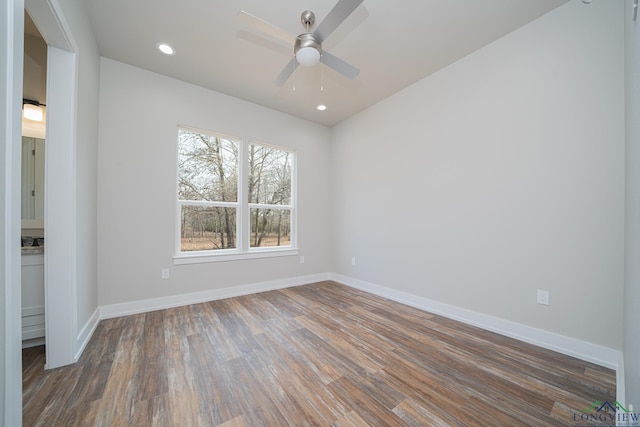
column 143, row 306
column 33, row 343
column 583, row 350
column 85, row 334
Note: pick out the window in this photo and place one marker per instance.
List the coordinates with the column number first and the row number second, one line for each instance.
column 235, row 198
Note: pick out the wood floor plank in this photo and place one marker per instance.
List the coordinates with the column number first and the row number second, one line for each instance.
column 48, row 402
column 91, row 383
column 416, row 415
column 371, row 358
column 184, row 401
column 368, row 407
column 223, row 345
column 293, row 374
column 317, row 355
column 153, row 378
column 208, row 387
column 351, row 419
column 33, row 360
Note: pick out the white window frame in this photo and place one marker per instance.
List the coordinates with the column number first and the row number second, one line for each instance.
column 243, row 249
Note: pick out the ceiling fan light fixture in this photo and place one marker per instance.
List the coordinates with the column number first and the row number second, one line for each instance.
column 307, row 50
column 308, row 56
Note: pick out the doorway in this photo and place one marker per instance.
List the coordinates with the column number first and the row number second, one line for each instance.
column 59, row 201
column 33, row 185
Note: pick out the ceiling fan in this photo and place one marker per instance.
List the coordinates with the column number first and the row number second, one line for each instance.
column 307, row 47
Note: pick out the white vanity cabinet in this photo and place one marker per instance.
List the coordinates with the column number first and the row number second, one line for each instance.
column 33, row 324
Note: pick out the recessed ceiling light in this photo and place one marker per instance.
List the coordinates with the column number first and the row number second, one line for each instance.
column 166, row 49
column 321, row 107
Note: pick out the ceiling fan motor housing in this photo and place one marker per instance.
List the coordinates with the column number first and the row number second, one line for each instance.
column 306, row 40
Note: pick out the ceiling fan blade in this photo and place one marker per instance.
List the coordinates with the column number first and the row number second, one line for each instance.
column 338, row 14
column 344, row 68
column 263, row 41
column 286, row 72
column 266, row 27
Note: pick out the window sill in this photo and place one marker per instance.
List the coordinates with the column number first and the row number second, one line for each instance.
column 199, row 258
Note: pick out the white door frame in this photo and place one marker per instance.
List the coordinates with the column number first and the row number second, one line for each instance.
column 11, row 57
column 60, row 182
column 60, row 274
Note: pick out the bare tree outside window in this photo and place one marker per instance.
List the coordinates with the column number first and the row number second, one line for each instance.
column 208, row 174
column 208, row 193
column 270, row 173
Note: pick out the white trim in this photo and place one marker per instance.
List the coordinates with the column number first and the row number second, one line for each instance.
column 85, row 333
column 33, row 343
column 199, row 258
column 60, row 170
column 620, row 386
column 208, row 203
column 51, row 23
column 586, row 351
column 243, row 214
column 60, row 208
column 294, row 200
column 268, row 206
column 11, row 60
column 143, row 306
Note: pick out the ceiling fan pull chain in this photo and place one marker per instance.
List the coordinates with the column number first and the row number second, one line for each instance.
column 293, row 66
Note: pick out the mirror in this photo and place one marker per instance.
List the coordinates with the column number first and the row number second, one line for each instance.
column 32, row 179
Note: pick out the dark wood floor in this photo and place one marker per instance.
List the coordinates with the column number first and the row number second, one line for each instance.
column 322, row 354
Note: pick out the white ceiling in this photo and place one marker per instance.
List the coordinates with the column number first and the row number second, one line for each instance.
column 393, row 43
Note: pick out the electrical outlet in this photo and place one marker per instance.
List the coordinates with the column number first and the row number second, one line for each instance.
column 353, row 261
column 165, row 273
column 302, row 259
column 543, row 297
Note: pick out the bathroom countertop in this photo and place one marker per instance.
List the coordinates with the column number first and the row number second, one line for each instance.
column 32, row 250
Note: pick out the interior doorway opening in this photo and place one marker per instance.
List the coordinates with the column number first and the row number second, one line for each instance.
column 60, row 176
column 32, row 231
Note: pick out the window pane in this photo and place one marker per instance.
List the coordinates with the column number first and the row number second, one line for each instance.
column 270, row 227
column 207, row 167
column 269, row 175
column 207, row 228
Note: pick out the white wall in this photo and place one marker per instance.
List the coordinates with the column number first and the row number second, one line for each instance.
column 497, row 176
column 139, row 114
column 632, row 242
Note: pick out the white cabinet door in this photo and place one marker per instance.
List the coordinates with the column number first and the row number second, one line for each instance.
column 33, row 323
